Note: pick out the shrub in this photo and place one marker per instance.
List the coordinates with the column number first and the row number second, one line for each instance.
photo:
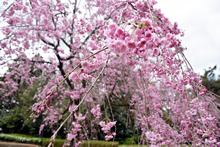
column 58, row 142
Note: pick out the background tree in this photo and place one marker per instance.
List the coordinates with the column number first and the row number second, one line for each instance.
column 211, row 82
column 14, row 111
column 95, row 54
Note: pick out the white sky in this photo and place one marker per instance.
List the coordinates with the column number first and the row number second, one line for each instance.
column 200, row 20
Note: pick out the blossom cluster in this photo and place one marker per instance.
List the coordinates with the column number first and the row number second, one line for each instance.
column 107, row 129
column 96, row 112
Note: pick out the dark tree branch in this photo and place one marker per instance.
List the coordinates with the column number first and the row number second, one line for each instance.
column 91, row 33
column 119, row 105
column 72, row 25
column 54, row 23
column 41, row 62
column 74, row 10
column 46, row 42
column 60, row 66
column 68, row 58
column 68, row 45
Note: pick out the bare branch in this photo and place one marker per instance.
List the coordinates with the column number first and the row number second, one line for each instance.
column 122, row 13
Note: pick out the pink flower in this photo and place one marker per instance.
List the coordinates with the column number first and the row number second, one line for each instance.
column 130, row 62
column 131, row 44
column 85, row 76
column 48, row 97
column 111, row 124
column 96, row 112
column 70, row 136
column 108, row 137
column 49, row 92
column 92, row 45
column 41, row 128
column 138, row 32
column 107, row 127
column 201, row 93
column 113, row 133
column 148, row 34
column 56, row 94
column 41, row 108
column 112, row 46
column 139, row 4
column 102, row 123
column 72, row 108
column 112, row 27
column 141, row 43
column 156, row 52
column 118, row 46
column 13, row 21
column 79, row 117
column 123, row 48
column 120, row 34
column 38, row 111
column 147, row 22
column 85, row 63
column 74, row 76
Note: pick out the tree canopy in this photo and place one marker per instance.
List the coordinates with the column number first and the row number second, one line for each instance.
column 94, row 55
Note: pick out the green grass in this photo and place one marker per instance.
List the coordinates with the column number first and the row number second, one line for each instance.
column 58, row 142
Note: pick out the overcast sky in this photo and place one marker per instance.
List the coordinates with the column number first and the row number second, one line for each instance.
column 200, row 20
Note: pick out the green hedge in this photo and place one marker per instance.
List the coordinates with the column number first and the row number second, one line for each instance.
column 58, row 142
column 94, row 143
column 20, row 138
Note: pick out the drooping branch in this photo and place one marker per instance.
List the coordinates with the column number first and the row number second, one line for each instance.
column 122, row 13
column 65, row 78
column 8, row 8
column 52, row 140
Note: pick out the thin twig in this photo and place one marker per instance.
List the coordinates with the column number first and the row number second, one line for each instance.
column 214, row 94
column 54, row 135
column 122, row 13
column 8, row 8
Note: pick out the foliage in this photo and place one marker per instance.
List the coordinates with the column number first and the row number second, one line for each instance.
column 14, row 115
column 113, row 53
column 132, row 140
column 212, row 83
